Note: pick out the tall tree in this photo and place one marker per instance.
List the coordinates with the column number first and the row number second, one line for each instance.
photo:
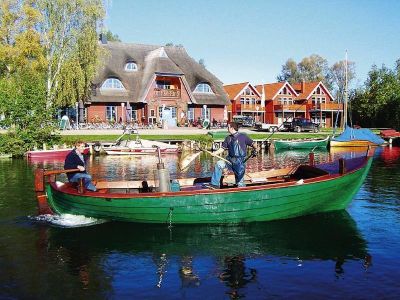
column 338, row 76
column 290, row 72
column 377, row 104
column 111, row 36
column 314, row 68
column 63, row 23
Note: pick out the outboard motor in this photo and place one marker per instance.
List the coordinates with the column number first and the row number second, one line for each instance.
column 163, row 174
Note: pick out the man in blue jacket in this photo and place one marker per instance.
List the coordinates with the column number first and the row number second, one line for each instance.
column 236, row 143
column 75, row 160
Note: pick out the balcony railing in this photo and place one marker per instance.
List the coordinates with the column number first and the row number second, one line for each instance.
column 290, row 107
column 167, row 93
column 246, row 107
column 328, row 106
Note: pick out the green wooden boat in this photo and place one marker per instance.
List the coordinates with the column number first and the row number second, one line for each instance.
column 269, row 195
column 301, row 144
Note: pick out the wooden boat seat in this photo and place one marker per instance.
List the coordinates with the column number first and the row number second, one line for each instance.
column 260, row 177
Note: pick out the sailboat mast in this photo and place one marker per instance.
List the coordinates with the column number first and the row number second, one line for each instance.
column 345, row 93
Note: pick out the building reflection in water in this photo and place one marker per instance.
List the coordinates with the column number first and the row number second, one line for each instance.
column 236, row 275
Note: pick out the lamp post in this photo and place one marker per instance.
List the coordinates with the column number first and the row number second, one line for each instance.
column 257, row 109
column 122, row 113
column 77, row 115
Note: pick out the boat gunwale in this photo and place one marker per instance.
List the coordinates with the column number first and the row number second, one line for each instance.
column 315, row 140
column 265, row 186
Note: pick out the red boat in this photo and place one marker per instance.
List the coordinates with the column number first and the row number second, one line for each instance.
column 51, row 154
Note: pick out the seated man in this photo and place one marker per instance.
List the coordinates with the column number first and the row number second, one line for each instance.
column 75, row 160
column 236, row 143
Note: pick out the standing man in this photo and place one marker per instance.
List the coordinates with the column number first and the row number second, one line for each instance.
column 75, row 160
column 236, row 143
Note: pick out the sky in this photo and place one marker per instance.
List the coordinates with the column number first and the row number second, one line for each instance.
column 250, row 40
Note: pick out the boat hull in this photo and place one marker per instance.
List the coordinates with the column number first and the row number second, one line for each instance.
column 138, row 151
column 232, row 205
column 301, row 144
column 58, row 154
column 353, row 143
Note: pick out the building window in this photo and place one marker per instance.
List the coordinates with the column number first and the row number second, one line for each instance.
column 111, row 113
column 164, row 85
column 113, row 83
column 203, row 88
column 173, row 111
column 190, row 114
column 131, row 67
column 242, row 101
column 319, row 119
column 134, row 115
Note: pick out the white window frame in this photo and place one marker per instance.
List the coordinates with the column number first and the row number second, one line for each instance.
column 190, row 114
column 131, row 67
column 111, row 113
column 112, row 84
column 203, row 88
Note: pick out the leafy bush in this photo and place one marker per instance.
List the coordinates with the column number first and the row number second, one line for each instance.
column 23, row 105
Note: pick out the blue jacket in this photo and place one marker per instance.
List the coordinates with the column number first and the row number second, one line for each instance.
column 72, row 161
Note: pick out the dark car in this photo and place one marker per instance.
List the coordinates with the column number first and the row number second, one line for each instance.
column 243, row 121
column 299, row 125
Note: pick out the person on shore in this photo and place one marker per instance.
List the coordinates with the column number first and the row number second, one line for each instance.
column 75, row 160
column 236, row 143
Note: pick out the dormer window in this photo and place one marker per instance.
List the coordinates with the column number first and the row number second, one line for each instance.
column 113, row 83
column 131, row 67
column 203, row 88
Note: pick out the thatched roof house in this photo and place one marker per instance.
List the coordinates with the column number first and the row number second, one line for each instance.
column 147, row 77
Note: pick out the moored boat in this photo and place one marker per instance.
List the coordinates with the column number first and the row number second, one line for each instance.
column 52, row 153
column 301, row 144
column 269, row 195
column 139, row 146
column 356, row 137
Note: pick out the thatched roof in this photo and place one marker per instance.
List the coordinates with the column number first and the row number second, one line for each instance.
column 151, row 61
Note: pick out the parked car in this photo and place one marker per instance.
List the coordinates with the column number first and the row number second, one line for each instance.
column 299, row 125
column 244, row 121
column 266, row 127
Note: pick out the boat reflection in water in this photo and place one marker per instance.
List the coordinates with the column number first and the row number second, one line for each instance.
column 192, row 253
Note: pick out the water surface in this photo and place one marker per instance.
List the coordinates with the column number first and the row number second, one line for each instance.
column 341, row 255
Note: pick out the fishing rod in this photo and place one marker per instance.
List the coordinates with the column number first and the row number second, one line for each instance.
column 224, row 159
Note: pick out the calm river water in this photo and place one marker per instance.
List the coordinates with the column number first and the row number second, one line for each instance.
column 353, row 254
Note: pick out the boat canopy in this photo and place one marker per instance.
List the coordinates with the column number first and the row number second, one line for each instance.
column 363, row 134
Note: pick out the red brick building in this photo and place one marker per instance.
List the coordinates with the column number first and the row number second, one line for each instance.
column 244, row 100
column 281, row 101
column 137, row 83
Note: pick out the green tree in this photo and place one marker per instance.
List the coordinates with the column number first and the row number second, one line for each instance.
column 23, row 105
column 64, row 22
column 290, row 72
column 312, row 68
column 377, row 104
column 48, row 57
column 111, row 37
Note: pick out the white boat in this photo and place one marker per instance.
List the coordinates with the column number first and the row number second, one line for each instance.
column 140, row 147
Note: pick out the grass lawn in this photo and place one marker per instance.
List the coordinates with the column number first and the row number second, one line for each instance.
column 195, row 137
